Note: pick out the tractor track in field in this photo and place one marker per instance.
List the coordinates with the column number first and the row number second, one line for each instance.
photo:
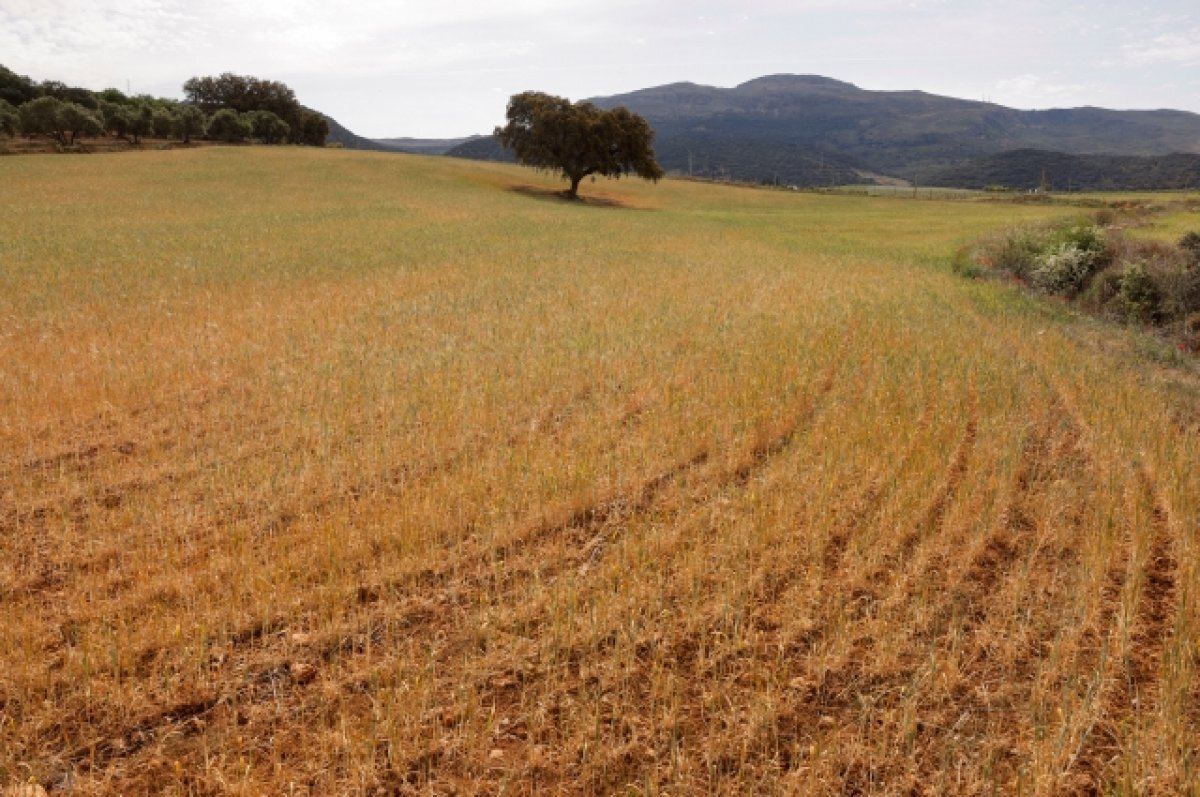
column 584, row 523
column 597, row 523
column 254, row 650
column 898, row 560
column 1128, row 671
column 1131, row 669
column 1157, row 605
column 548, row 421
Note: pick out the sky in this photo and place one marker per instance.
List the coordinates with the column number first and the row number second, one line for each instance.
column 442, row 69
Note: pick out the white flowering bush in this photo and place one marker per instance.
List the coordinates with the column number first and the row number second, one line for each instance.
column 1063, row 270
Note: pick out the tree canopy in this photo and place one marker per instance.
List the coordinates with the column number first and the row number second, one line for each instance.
column 10, row 122
column 246, row 95
column 242, row 93
column 579, row 139
column 230, row 126
column 62, row 121
column 265, row 111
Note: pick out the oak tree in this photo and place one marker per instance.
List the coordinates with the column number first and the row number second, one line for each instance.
column 579, row 139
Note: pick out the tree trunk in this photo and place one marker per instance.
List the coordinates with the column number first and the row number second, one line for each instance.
column 573, row 192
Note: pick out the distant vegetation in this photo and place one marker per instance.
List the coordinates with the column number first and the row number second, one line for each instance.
column 229, row 108
column 1031, row 169
column 1102, row 270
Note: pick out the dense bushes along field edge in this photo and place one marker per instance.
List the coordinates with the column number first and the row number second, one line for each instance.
column 1092, row 263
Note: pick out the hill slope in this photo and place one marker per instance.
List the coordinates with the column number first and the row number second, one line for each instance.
column 1027, row 169
column 339, row 134
column 900, row 132
column 782, row 124
column 424, row 146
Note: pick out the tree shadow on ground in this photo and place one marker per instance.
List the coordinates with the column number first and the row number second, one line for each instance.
column 550, row 195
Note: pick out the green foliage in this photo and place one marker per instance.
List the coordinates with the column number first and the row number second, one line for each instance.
column 163, row 122
column 141, row 123
column 134, row 120
column 312, row 129
column 1134, row 280
column 1178, row 285
column 37, row 110
column 1014, row 251
column 246, row 94
column 16, row 89
column 1062, row 271
column 242, row 93
column 40, row 117
column 190, row 121
column 75, row 120
column 65, row 122
column 115, row 97
column 578, row 139
column 267, row 127
column 1056, row 258
column 1138, row 297
column 117, row 118
column 10, row 121
column 1102, row 291
column 229, row 126
column 61, row 91
column 1081, row 234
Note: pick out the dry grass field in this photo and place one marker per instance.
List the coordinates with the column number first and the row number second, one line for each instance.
column 325, row 472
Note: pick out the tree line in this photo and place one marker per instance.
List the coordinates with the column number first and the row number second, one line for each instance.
column 228, row 108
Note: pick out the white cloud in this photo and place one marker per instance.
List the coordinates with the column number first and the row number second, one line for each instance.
column 1031, row 90
column 1178, row 49
column 435, row 67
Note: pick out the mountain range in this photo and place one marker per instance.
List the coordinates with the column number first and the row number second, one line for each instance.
column 811, row 130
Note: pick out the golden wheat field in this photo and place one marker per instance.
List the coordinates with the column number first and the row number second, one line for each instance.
column 326, row 472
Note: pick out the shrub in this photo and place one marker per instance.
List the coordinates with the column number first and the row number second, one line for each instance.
column 1190, row 244
column 1138, row 297
column 1129, row 279
column 1082, row 234
column 1063, row 271
column 1101, row 293
column 1014, row 252
column 1057, row 258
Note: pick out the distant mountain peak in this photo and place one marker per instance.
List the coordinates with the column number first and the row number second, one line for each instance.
column 790, row 129
column 791, row 82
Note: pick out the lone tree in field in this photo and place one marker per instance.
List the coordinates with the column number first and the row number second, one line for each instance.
column 578, row 139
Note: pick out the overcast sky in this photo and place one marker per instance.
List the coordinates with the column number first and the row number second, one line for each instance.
column 433, row 69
